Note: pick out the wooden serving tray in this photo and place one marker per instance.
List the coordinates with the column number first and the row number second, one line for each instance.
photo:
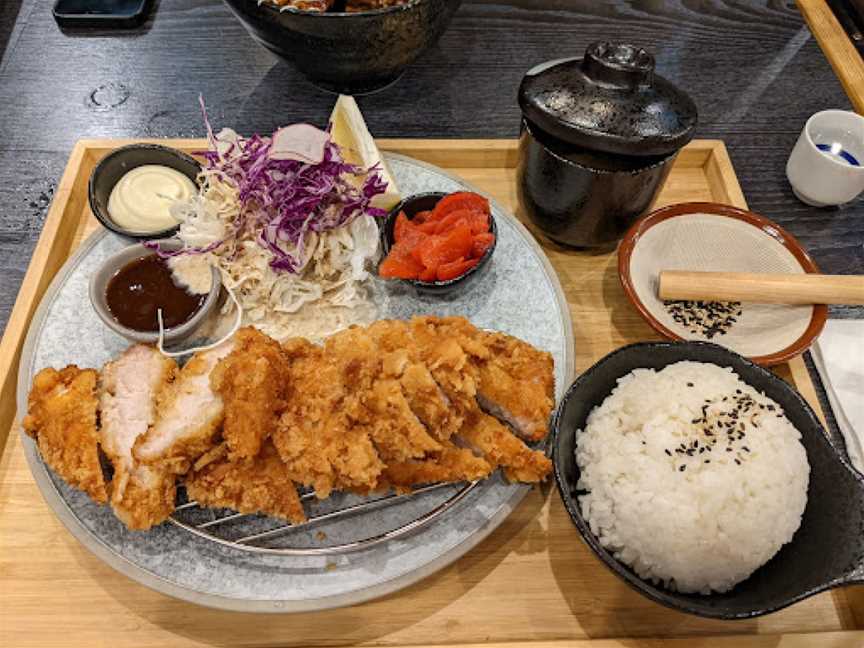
column 533, row 582
column 838, row 48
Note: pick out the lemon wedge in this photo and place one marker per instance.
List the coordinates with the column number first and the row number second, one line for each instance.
column 350, row 132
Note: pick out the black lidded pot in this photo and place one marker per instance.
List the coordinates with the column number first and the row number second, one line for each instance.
column 599, row 135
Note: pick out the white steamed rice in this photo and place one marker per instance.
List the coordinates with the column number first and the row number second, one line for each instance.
column 695, row 520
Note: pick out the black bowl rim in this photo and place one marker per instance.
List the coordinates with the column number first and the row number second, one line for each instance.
column 341, row 14
column 529, row 125
column 104, row 219
column 437, row 285
column 622, row 571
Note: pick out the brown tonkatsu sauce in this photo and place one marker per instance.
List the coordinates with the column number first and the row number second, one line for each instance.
column 143, row 286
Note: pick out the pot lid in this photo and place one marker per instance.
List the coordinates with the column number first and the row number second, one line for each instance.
column 609, row 101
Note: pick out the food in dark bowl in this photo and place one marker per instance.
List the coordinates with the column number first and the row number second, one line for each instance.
column 438, row 242
column 350, row 52
column 133, row 288
column 779, row 463
column 131, row 190
column 350, row 6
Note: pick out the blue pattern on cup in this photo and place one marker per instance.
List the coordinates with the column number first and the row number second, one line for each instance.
column 838, row 153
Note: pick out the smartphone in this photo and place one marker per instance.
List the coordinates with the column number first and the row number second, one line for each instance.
column 100, row 13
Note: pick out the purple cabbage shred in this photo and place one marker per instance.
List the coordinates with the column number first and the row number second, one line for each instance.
column 282, row 200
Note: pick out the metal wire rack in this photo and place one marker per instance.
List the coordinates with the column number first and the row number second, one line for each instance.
column 259, row 534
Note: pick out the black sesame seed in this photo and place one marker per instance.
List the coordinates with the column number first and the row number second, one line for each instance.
column 667, row 452
column 737, row 462
column 689, row 384
column 682, row 468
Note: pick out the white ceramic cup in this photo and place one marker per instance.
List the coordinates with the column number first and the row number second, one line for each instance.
column 826, row 166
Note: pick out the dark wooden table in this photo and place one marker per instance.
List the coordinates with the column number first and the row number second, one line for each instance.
column 752, row 67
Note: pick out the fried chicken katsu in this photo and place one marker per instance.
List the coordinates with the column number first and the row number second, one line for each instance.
column 189, row 416
column 252, row 382
column 514, row 380
column 142, row 496
column 402, row 360
column 258, row 485
column 395, row 405
column 316, row 435
column 381, row 405
column 62, row 418
column 492, row 439
column 450, row 464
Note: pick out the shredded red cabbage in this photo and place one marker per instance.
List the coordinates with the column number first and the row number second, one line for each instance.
column 282, row 200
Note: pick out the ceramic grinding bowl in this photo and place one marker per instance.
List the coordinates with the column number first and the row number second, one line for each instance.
column 720, row 238
column 827, row 550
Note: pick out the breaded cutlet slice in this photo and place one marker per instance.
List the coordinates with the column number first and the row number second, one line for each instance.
column 61, row 417
column 401, row 360
column 141, row 496
column 457, row 372
column 317, row 435
column 258, row 485
column 515, row 381
column 447, row 362
column 379, row 402
column 252, row 381
column 189, row 415
column 517, row 385
column 493, row 440
column 450, row 464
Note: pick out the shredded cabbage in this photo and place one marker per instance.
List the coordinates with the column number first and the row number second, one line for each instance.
column 292, row 239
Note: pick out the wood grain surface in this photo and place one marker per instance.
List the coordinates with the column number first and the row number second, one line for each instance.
column 838, row 48
column 532, row 580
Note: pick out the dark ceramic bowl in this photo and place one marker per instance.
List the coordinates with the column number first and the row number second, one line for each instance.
column 827, row 550
column 423, row 202
column 348, row 53
column 117, row 163
column 584, row 199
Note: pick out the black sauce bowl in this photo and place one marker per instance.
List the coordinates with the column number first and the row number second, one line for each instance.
column 827, row 550
column 423, row 202
column 348, row 53
column 122, row 160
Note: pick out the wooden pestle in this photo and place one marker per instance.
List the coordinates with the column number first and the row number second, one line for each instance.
column 762, row 288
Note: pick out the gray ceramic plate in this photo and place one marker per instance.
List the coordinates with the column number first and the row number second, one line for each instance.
column 520, row 295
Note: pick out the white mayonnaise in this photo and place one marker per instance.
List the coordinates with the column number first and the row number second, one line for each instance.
column 141, row 200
